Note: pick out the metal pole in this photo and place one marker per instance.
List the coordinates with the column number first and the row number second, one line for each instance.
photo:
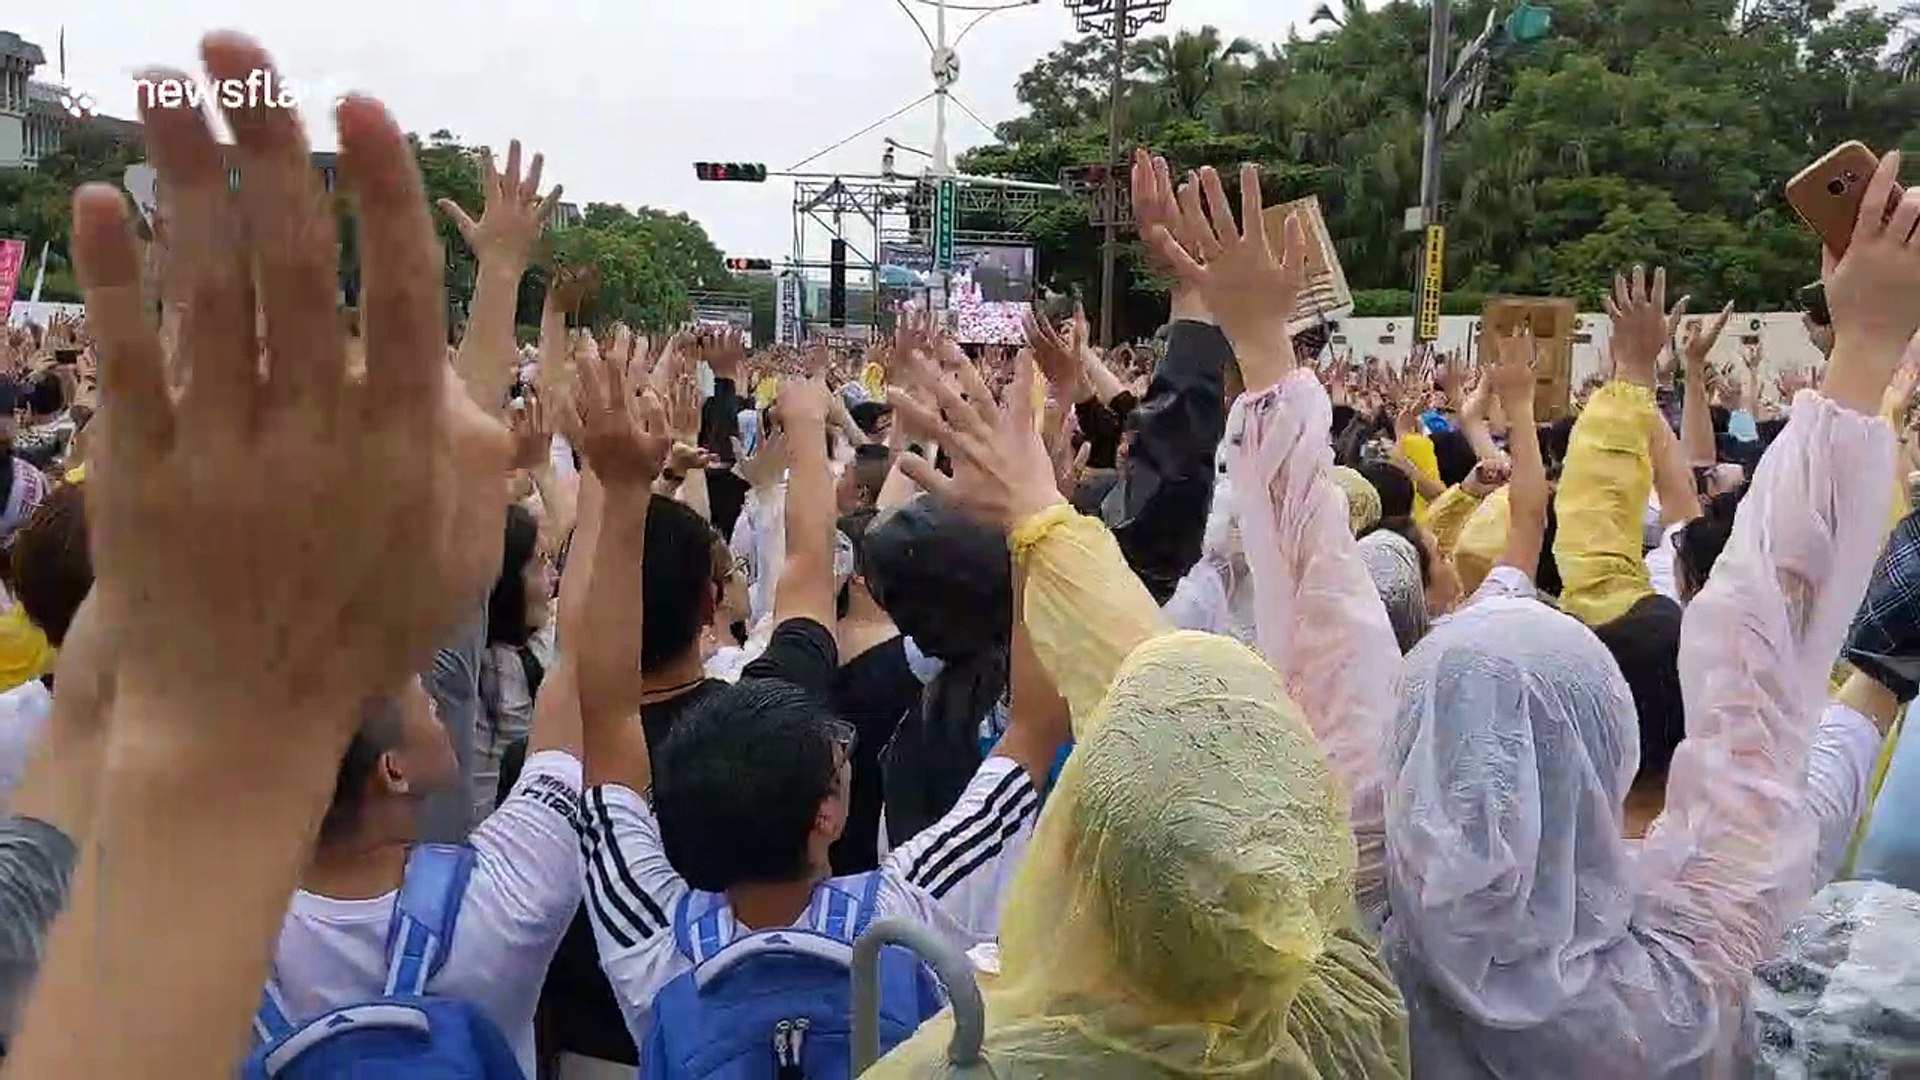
column 1438, row 45
column 1110, row 241
column 940, row 166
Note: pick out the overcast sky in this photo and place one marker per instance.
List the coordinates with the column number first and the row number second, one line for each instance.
column 622, row 95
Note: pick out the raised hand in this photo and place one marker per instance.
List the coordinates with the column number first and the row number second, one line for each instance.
column 1511, row 377
column 1250, row 289
column 1700, row 340
column 1002, row 473
column 624, row 439
column 295, row 538
column 1057, row 354
column 1874, row 293
column 514, row 215
column 531, row 435
column 1638, row 309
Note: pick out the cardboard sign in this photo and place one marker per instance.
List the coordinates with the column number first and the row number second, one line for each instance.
column 1325, row 296
column 1553, row 321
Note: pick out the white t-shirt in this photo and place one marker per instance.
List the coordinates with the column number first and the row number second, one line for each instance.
column 524, row 891
column 24, row 711
column 949, row 878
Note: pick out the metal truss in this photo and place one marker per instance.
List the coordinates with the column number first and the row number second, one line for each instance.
column 899, row 210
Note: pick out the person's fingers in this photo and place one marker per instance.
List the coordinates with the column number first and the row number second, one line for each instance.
column 402, row 297
column 616, row 379
column 206, row 268
column 1621, row 296
column 1140, row 184
column 459, row 217
column 928, row 476
column 1293, row 244
column 1677, row 313
column 590, row 384
column 1872, row 220
column 290, row 230
column 1182, row 264
column 1658, row 294
column 133, row 381
column 1906, row 213
column 489, row 179
column 1637, row 286
column 1020, row 396
column 1719, row 324
column 547, row 204
column 1219, row 210
column 1252, row 206
column 510, row 178
column 530, row 187
column 1612, row 309
column 653, row 413
column 1193, row 220
column 979, row 395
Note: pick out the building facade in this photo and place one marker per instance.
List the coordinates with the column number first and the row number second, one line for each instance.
column 36, row 116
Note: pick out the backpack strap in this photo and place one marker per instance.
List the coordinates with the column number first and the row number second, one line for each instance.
column 273, row 1021
column 424, row 915
column 869, row 904
column 699, row 935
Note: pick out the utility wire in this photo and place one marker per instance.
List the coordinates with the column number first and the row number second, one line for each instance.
column 887, row 119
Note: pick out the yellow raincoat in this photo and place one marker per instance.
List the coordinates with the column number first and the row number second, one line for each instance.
column 1186, row 907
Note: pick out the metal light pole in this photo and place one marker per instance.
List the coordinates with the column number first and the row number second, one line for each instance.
column 1120, row 19
column 1439, row 44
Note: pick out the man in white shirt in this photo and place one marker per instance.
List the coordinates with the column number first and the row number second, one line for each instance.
column 524, row 887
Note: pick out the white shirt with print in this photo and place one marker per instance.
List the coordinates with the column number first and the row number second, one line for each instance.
column 949, row 878
column 524, row 891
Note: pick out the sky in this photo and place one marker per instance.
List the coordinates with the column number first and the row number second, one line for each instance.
column 622, row 95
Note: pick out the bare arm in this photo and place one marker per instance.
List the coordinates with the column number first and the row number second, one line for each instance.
column 806, row 580
column 503, row 241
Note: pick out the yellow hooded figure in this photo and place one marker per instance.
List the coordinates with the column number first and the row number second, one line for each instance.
column 1186, row 907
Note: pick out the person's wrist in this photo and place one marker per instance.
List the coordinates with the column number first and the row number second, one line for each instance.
column 1855, row 378
column 1187, row 305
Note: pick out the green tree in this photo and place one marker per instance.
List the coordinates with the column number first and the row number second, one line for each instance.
column 1641, row 130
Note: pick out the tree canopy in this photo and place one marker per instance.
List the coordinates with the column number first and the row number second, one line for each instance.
column 1640, row 131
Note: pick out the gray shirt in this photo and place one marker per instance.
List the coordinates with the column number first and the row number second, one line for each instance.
column 454, row 684
column 36, row 867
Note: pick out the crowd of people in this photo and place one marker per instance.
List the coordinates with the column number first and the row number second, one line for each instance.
column 377, row 706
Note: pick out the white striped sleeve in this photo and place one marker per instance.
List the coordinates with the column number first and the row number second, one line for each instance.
column 964, row 861
column 631, row 889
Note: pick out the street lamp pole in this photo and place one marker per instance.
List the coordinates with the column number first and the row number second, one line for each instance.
column 1110, row 240
column 1439, row 44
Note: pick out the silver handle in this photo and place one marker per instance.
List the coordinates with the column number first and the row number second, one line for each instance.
column 954, row 970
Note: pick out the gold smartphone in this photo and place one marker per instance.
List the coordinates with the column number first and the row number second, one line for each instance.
column 1827, row 194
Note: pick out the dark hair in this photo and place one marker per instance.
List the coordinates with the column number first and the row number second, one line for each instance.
column 868, row 414
column 52, row 571
column 1698, row 544
column 677, row 580
column 853, row 525
column 871, row 464
column 507, row 604
column 1454, row 455
column 380, row 731
column 738, row 783
column 1645, row 642
column 1394, row 486
column 44, row 394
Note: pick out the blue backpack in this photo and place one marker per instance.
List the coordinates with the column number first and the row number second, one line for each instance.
column 779, row 1003
column 405, row 1032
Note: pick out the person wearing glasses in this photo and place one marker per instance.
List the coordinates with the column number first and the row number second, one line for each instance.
column 736, row 808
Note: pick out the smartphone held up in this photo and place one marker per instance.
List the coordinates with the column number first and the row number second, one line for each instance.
column 1828, row 193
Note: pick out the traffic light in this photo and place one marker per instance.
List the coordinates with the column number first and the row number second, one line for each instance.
column 749, row 172
column 742, row 266
column 1529, row 22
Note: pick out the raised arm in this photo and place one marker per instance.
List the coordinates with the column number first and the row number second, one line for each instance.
column 1512, row 377
column 1608, row 474
column 502, row 240
column 1732, row 857
column 1696, row 416
column 625, row 441
column 806, row 576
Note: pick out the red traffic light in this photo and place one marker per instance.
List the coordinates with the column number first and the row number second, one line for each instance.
column 742, row 266
column 747, row 172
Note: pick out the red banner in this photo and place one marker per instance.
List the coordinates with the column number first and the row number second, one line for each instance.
column 13, row 256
